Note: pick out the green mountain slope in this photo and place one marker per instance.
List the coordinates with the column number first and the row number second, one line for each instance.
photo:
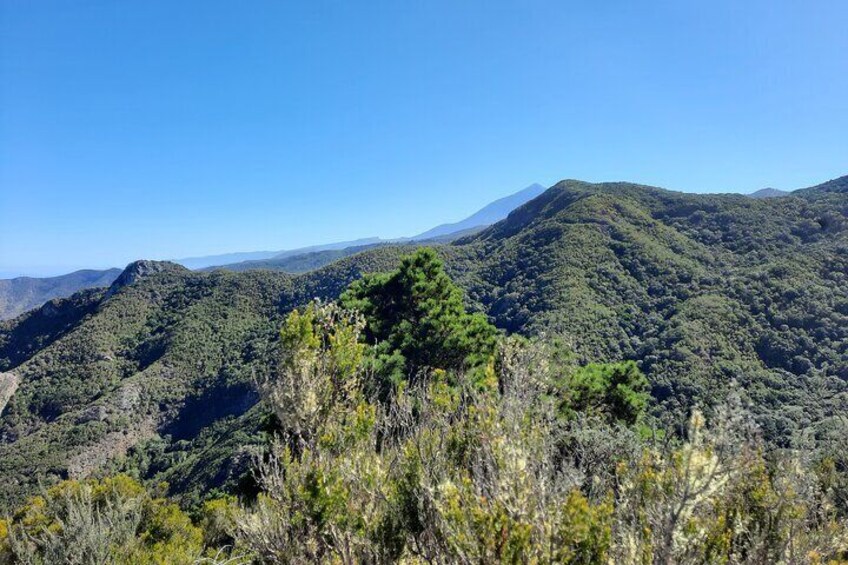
column 704, row 291
column 701, row 289
column 166, row 356
column 834, row 186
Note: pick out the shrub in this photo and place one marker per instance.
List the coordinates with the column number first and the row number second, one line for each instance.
column 113, row 520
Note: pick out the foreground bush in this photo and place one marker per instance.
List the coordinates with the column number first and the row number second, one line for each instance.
column 445, row 471
column 110, row 521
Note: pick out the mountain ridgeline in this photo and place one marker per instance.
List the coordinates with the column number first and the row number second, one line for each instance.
column 707, row 294
column 24, row 293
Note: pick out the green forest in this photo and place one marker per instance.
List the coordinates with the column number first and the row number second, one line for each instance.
column 613, row 374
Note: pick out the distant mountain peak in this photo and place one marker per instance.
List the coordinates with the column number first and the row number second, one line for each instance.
column 769, row 193
column 488, row 215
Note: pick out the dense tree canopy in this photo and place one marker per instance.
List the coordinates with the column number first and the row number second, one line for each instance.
column 618, row 391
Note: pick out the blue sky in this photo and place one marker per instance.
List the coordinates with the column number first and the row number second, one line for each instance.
column 171, row 129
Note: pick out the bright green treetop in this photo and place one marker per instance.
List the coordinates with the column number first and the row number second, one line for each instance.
column 417, row 320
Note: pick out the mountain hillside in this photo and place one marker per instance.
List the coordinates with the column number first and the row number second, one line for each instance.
column 707, row 293
column 24, row 293
column 702, row 290
column 835, row 186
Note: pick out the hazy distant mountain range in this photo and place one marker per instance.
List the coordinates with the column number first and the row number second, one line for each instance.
column 232, row 258
column 310, row 258
column 24, row 293
column 17, row 295
column 486, row 216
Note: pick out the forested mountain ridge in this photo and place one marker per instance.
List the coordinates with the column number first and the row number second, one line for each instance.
column 165, row 357
column 702, row 290
column 834, row 186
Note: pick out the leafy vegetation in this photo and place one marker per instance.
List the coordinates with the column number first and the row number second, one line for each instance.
column 417, row 321
column 442, row 470
column 616, row 391
column 110, row 521
column 407, row 428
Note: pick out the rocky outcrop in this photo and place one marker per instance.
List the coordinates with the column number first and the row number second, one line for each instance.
column 8, row 385
column 138, row 270
column 112, row 445
column 128, row 397
column 121, row 403
column 96, row 413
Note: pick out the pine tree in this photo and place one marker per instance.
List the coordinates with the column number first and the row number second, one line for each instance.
column 416, row 318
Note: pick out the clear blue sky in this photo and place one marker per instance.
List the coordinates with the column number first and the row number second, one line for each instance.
column 166, row 129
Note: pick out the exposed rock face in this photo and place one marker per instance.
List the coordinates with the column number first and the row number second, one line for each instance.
column 8, row 385
column 128, row 397
column 96, row 413
column 114, row 444
column 122, row 402
column 140, row 269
